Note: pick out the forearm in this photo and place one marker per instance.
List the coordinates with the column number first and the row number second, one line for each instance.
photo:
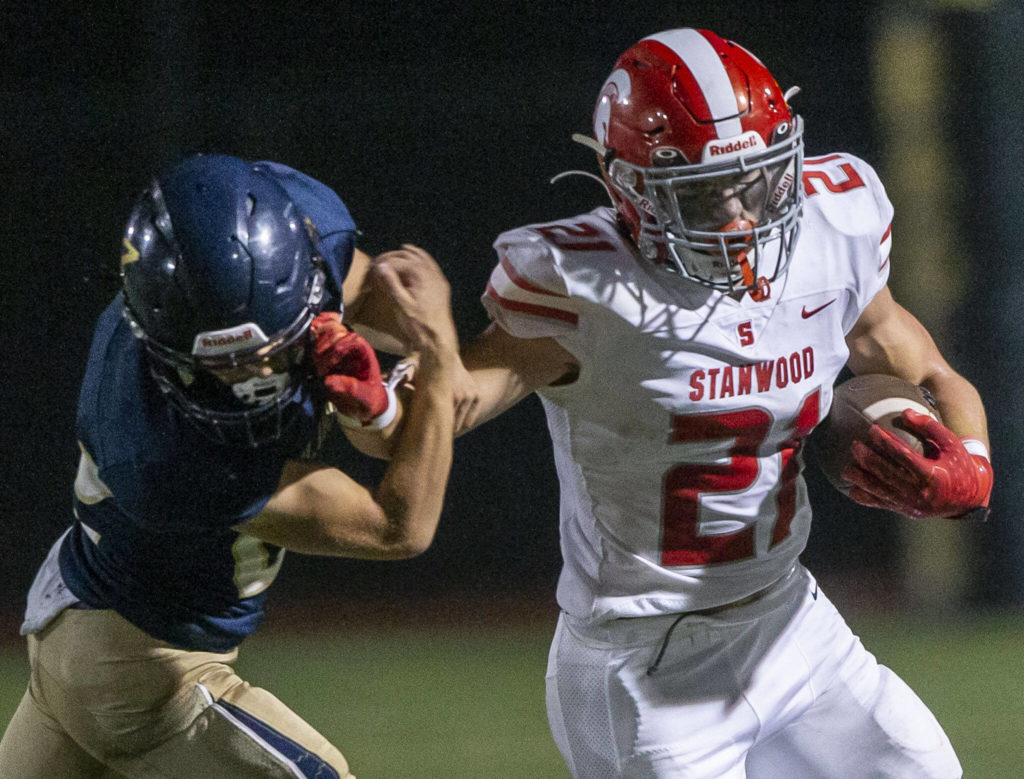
column 317, row 509
column 367, row 308
column 493, row 390
column 888, row 339
column 953, row 476
column 378, row 441
column 380, row 338
column 321, row 510
column 959, row 404
column 411, row 493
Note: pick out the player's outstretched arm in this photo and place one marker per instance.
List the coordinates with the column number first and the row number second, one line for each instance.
column 497, row 370
column 954, row 476
column 318, row 509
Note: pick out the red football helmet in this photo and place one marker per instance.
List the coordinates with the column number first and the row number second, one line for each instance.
column 703, row 158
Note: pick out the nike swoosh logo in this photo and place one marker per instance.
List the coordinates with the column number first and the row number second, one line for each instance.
column 807, row 314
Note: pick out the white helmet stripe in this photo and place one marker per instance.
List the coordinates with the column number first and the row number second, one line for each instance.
column 703, row 62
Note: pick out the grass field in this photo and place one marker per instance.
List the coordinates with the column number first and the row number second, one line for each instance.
column 458, row 704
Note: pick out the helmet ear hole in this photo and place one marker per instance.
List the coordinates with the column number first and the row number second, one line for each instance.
column 667, row 156
column 781, row 132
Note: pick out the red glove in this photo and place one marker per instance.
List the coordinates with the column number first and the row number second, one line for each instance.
column 945, row 481
column 349, row 369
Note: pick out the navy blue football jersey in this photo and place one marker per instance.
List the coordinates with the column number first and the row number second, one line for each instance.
column 157, row 502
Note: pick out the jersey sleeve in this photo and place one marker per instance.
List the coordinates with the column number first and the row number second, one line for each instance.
column 873, row 212
column 527, row 293
column 329, row 217
column 883, row 233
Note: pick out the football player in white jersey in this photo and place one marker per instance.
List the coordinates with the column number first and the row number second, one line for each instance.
column 684, row 343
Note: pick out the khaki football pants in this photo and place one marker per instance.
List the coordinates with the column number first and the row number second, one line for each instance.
column 107, row 700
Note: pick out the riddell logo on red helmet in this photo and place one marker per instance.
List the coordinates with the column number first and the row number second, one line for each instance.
column 734, row 147
column 746, row 143
column 646, row 205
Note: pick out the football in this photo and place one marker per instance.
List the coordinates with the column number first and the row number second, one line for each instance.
column 872, row 398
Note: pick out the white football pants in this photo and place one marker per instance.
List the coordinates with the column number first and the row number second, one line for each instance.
column 775, row 688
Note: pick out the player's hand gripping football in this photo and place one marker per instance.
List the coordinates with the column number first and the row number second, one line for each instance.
column 945, row 481
column 349, row 369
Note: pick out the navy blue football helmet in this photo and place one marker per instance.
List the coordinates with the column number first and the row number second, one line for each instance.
column 221, row 280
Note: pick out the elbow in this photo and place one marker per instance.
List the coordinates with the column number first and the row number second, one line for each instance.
column 408, row 516
column 408, row 530
column 406, row 545
column 384, row 542
column 409, row 549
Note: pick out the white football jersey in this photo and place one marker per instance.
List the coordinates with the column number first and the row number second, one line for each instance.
column 677, row 448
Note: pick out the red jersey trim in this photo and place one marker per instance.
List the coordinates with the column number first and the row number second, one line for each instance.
column 525, row 284
column 532, row 308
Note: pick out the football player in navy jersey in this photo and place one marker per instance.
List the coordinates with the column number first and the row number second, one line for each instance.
column 212, row 381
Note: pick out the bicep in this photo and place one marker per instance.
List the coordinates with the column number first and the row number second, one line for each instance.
column 505, row 369
column 889, row 339
column 318, row 509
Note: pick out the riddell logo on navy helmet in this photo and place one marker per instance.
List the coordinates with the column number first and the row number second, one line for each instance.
column 214, row 342
column 225, row 340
